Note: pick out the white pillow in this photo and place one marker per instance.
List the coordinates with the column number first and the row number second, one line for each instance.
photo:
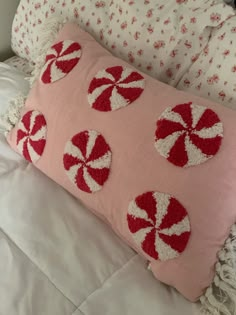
column 12, row 83
column 162, row 38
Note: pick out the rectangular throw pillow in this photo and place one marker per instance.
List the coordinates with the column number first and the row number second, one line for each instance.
column 155, row 163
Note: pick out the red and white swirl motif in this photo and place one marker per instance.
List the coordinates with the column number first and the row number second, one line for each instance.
column 159, row 225
column 60, row 60
column 188, row 134
column 31, row 135
column 114, row 88
column 87, row 160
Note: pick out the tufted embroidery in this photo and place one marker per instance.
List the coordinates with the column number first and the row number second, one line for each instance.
column 115, row 88
column 31, row 135
column 87, row 160
column 159, row 225
column 188, row 134
column 60, row 60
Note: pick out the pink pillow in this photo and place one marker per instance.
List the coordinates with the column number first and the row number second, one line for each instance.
column 157, row 164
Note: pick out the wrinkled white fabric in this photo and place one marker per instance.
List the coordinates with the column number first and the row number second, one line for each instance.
column 12, row 81
column 20, row 64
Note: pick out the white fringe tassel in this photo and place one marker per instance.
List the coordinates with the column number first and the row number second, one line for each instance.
column 13, row 113
column 47, row 36
column 220, row 297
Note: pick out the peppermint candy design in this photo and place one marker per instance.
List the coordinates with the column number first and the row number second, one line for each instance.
column 159, row 225
column 87, row 160
column 188, row 134
column 114, row 88
column 60, row 60
column 31, row 135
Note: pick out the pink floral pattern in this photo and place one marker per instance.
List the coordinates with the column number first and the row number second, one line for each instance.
column 213, row 74
column 185, row 43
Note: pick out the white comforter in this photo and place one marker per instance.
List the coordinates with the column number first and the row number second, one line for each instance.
column 58, row 258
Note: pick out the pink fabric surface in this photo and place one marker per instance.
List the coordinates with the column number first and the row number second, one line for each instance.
column 207, row 191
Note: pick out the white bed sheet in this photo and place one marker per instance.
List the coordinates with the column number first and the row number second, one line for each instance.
column 12, row 81
column 58, row 258
column 20, row 64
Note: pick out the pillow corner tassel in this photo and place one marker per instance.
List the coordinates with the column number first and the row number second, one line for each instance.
column 47, row 36
column 220, row 297
column 12, row 115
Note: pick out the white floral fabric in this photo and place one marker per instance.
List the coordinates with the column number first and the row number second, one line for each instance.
column 185, row 43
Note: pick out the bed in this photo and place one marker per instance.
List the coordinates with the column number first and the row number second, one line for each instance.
column 56, row 256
